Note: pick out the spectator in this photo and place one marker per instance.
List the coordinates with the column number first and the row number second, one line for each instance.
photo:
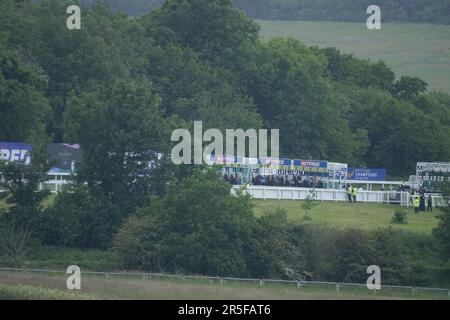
column 416, row 203
column 430, row 203
column 349, row 193
column 422, row 202
column 354, row 193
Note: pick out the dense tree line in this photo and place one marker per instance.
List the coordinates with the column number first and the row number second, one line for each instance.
column 417, row 11
column 203, row 60
column 120, row 85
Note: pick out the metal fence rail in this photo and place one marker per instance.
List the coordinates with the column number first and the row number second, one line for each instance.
column 146, row 276
column 402, row 198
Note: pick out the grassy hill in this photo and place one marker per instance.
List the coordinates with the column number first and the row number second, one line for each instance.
column 360, row 215
column 421, row 50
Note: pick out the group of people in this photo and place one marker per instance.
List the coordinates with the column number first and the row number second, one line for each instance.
column 288, row 181
column 352, row 192
column 421, row 203
column 233, row 179
column 278, row 181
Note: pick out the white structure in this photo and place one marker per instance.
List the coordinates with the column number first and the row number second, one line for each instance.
column 285, row 193
column 428, row 167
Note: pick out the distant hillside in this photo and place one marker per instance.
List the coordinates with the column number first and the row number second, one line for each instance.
column 423, row 11
column 419, row 11
column 130, row 7
column 421, row 50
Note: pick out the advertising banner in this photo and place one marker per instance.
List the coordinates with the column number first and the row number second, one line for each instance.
column 311, row 166
column 63, row 157
column 272, row 162
column 10, row 151
column 361, row 174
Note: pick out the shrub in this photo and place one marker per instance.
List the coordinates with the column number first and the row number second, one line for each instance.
column 442, row 232
column 16, row 242
column 400, row 217
column 198, row 227
column 78, row 218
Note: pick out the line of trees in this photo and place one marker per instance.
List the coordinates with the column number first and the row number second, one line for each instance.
column 417, row 11
column 203, row 60
column 119, row 86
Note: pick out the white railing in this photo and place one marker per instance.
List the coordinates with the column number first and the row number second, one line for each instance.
column 289, row 193
column 300, row 284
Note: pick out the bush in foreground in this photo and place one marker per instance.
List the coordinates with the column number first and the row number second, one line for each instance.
column 197, row 227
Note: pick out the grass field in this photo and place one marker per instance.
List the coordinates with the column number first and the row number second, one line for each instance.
column 421, row 50
column 360, row 215
column 15, row 285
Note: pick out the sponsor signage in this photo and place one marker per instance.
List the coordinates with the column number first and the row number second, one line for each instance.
column 10, row 151
column 63, row 157
column 360, row 174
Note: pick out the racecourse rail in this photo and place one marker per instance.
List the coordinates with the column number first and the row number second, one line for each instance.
column 338, row 286
column 402, row 198
column 288, row 193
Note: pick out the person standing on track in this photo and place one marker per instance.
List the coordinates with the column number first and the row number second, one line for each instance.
column 430, row 203
column 416, row 203
column 354, row 193
column 349, row 193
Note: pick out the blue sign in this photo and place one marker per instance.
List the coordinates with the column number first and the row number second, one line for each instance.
column 274, row 162
column 311, row 165
column 15, row 152
column 360, row 174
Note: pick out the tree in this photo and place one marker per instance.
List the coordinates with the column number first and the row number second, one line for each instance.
column 292, row 95
column 24, row 111
column 126, row 132
column 16, row 242
column 79, row 218
column 22, row 183
column 271, row 254
column 215, row 29
column 408, row 87
column 197, row 227
column 309, row 203
column 442, row 232
column 400, row 135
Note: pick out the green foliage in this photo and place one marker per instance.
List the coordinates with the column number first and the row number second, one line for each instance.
column 78, row 218
column 126, row 131
column 59, row 257
column 119, row 86
column 309, row 203
column 23, row 292
column 203, row 60
column 343, row 255
column 16, row 243
column 24, row 111
column 271, row 253
column 22, row 184
column 442, row 232
column 431, row 11
column 400, row 217
column 213, row 28
column 408, row 87
column 198, row 227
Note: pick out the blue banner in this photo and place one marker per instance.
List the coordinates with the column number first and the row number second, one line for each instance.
column 311, row 165
column 10, row 151
column 361, row 174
